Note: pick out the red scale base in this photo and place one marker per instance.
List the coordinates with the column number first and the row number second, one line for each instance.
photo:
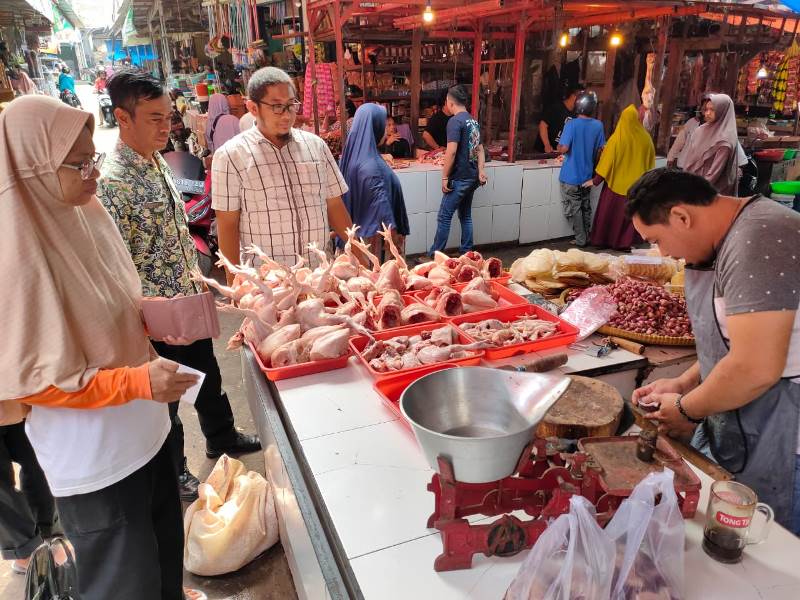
column 544, row 482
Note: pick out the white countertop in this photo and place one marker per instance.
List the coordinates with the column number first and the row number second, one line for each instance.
column 373, row 476
column 417, row 167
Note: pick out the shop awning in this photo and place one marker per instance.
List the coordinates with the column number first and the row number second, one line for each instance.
column 33, row 12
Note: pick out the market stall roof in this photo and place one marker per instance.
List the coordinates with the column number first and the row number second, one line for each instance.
column 34, row 13
column 180, row 16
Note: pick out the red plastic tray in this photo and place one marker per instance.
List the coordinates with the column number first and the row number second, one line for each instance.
column 391, row 388
column 407, row 300
column 566, row 333
column 506, row 297
column 308, row 368
column 359, row 342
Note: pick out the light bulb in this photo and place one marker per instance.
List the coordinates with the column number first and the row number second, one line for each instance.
column 427, row 16
column 616, row 40
column 762, row 73
column 564, row 40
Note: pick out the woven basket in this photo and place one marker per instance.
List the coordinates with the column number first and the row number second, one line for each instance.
column 643, row 338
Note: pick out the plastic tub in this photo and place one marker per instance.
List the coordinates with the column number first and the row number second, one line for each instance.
column 786, row 199
column 307, row 368
column 789, row 154
column 390, row 388
column 358, row 343
column 771, row 155
column 790, row 188
column 566, row 333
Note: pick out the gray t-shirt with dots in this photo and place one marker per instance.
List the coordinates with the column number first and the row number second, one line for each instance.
column 758, row 265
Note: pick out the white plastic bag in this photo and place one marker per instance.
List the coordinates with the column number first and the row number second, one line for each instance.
column 573, row 558
column 232, row 521
column 639, row 554
column 590, row 311
column 649, row 538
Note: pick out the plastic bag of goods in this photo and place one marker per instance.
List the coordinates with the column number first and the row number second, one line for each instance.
column 639, row 555
column 232, row 521
column 659, row 269
column 573, row 558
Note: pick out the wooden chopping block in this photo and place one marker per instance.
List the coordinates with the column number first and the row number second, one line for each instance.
column 589, row 408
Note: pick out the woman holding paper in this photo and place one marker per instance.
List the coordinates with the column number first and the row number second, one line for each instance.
column 77, row 353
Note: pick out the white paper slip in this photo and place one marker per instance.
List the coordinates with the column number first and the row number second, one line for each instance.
column 190, row 395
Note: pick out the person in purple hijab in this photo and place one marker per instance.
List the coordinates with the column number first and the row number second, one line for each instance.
column 221, row 125
column 375, row 195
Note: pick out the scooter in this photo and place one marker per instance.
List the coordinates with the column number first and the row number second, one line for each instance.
column 69, row 97
column 104, row 100
column 194, row 184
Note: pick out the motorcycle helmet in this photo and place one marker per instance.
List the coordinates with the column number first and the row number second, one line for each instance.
column 586, row 104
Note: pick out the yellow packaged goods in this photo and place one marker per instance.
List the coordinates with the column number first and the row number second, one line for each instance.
column 548, row 272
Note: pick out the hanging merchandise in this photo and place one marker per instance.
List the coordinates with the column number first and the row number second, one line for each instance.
column 784, row 98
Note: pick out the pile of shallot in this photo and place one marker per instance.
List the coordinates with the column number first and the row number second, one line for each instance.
column 650, row 309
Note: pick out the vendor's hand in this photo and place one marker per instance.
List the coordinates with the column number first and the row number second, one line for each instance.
column 446, row 187
column 659, row 386
column 670, row 420
column 166, row 384
column 587, row 184
column 548, row 149
column 482, row 179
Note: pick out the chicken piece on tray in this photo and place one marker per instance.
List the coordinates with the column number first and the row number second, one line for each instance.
column 419, row 313
column 390, row 310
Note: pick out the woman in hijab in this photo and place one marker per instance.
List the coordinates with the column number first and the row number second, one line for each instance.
column 221, row 125
column 77, row 353
column 712, row 151
column 628, row 154
column 375, row 195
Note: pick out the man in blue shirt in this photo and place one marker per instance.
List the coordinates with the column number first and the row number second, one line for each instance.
column 463, row 170
column 581, row 143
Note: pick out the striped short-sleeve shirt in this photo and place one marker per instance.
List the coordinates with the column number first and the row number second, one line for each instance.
column 281, row 193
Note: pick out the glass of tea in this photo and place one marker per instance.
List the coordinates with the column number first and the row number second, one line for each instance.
column 731, row 508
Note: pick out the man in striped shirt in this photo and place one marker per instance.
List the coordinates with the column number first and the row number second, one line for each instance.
column 273, row 185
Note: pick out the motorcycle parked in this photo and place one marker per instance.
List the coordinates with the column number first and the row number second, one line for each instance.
column 104, row 100
column 194, row 184
column 69, row 97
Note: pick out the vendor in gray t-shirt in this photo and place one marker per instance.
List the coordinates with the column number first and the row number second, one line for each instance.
column 741, row 400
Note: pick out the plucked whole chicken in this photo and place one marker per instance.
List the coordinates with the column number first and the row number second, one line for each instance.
column 300, row 313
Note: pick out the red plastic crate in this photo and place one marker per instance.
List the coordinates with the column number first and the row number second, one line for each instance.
column 359, row 342
column 391, row 388
column 506, row 297
column 566, row 333
column 307, row 368
column 408, row 299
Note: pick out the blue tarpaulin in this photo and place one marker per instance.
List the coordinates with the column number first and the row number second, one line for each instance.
column 138, row 54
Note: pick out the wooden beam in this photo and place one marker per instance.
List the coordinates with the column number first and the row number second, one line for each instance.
column 657, row 80
column 476, row 71
column 334, row 10
column 416, row 83
column 670, row 88
column 516, row 87
column 606, row 100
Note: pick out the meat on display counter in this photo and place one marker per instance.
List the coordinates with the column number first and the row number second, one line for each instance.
column 520, row 202
column 350, row 484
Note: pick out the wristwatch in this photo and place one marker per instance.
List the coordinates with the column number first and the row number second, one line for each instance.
column 679, row 406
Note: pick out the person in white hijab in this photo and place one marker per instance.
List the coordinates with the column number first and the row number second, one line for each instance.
column 77, row 351
column 712, row 150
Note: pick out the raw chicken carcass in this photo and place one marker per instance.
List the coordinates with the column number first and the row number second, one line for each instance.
column 472, row 258
column 390, row 310
column 280, row 337
column 492, row 268
column 422, row 269
column 466, row 273
column 416, row 282
column 291, row 353
column 476, row 301
column 390, row 278
column 361, row 284
column 449, row 304
column 439, row 275
column 419, row 313
column 330, row 345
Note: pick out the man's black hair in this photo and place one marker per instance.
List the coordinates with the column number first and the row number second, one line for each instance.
column 350, row 107
column 127, row 87
column 570, row 90
column 459, row 95
column 656, row 192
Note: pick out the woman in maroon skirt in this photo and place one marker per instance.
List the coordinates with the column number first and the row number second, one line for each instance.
column 628, row 154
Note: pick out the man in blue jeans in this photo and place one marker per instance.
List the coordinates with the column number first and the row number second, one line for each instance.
column 581, row 143
column 463, row 170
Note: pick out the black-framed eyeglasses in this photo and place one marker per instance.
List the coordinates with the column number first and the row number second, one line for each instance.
column 279, row 109
column 87, row 167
